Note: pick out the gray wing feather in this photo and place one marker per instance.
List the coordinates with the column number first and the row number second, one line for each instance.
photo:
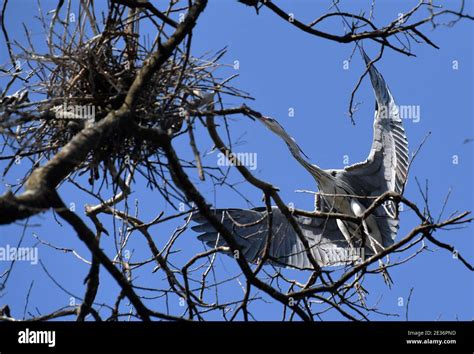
column 249, row 228
column 388, row 156
column 386, row 167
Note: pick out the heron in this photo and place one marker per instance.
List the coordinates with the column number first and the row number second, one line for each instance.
column 350, row 190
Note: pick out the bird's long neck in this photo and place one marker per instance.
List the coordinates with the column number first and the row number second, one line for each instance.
column 318, row 173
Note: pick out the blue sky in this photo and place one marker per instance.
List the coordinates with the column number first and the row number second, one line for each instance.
column 284, row 68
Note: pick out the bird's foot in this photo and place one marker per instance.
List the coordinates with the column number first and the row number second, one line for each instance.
column 386, row 276
column 361, row 292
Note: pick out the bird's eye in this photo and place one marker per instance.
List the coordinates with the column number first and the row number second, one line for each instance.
column 333, row 173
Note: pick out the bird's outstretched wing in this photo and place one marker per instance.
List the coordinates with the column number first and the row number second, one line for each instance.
column 386, row 167
column 249, row 227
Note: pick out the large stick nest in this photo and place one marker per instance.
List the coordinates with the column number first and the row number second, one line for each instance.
column 84, row 77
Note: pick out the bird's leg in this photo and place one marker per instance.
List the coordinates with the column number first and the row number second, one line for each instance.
column 372, row 231
column 377, row 247
column 344, row 228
